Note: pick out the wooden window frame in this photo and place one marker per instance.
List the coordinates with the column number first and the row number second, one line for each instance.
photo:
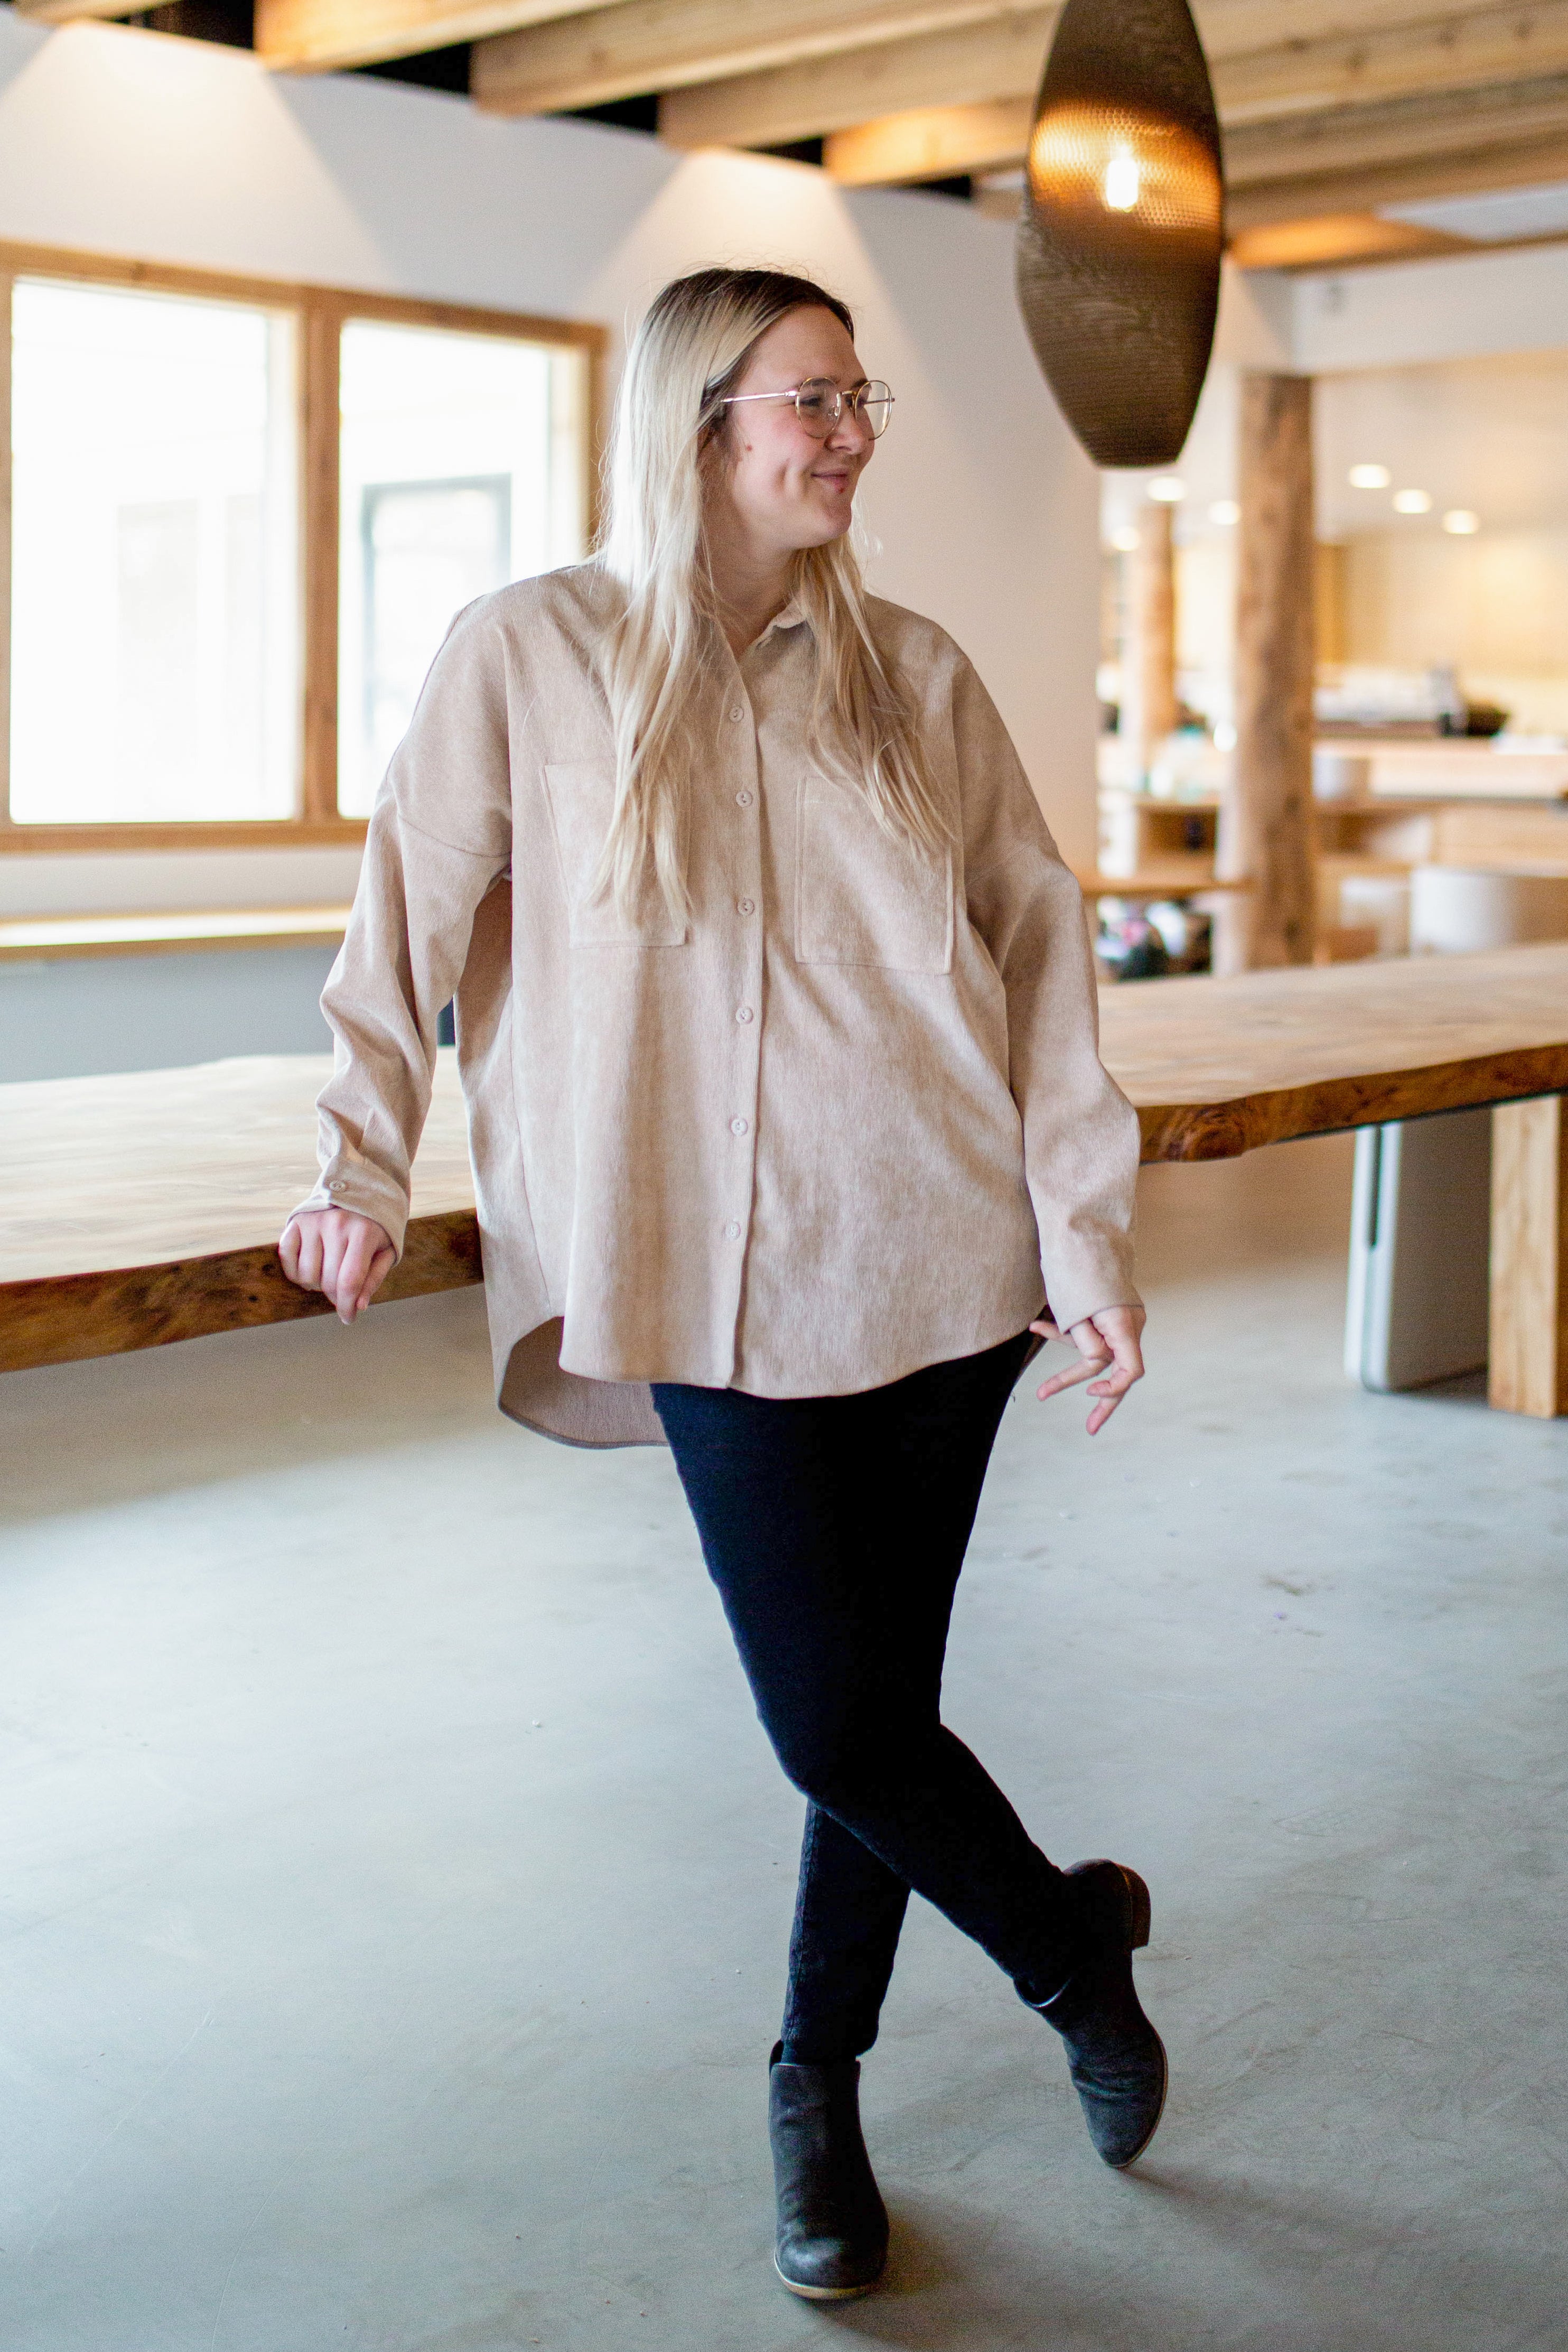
column 321, row 312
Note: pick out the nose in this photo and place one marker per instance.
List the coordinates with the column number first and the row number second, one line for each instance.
column 851, row 432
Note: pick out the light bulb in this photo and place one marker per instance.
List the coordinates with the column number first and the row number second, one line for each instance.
column 1370, row 477
column 1166, row 491
column 1461, row 521
column 1412, row 502
column 1125, row 541
column 1123, row 178
column 1224, row 512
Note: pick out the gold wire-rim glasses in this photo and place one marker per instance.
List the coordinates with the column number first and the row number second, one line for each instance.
column 819, row 404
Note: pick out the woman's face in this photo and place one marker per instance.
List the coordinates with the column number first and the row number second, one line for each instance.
column 787, row 489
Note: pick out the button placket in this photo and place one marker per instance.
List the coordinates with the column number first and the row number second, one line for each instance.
column 744, row 957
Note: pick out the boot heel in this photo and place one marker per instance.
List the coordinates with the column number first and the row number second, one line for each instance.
column 1138, row 1910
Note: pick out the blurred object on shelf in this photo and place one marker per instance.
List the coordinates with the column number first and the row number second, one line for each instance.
column 1461, row 910
column 1354, row 697
column 1482, row 719
column 1149, row 941
column 1340, row 775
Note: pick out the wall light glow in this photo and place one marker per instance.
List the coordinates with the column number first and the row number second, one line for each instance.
column 1412, row 501
column 1168, row 492
column 1461, row 521
column 1370, row 477
column 1226, row 513
column 1125, row 541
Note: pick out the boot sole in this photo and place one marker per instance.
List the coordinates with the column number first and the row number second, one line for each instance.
column 829, row 2293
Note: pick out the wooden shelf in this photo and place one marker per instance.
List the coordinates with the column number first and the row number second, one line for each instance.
column 53, row 938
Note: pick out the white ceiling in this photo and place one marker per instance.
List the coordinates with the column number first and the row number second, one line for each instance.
column 1491, row 435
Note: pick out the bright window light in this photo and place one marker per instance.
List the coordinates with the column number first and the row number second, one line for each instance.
column 1226, row 513
column 155, row 560
column 1370, row 477
column 1166, row 491
column 1412, row 502
column 461, row 469
column 1461, row 521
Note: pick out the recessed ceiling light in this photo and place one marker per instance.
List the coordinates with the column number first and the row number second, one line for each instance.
column 1125, row 541
column 1461, row 521
column 1166, row 491
column 1370, row 477
column 1224, row 511
column 1412, row 502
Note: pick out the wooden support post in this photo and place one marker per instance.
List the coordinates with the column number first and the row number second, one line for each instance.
column 1528, row 1365
column 1266, row 827
column 1148, row 655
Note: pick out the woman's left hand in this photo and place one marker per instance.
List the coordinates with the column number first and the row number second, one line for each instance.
column 1109, row 1339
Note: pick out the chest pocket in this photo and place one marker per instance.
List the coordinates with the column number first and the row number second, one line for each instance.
column 581, row 796
column 863, row 896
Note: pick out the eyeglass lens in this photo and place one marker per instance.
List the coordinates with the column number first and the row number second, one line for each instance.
column 819, row 404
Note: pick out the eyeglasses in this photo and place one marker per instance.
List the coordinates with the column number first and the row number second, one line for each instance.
column 819, row 404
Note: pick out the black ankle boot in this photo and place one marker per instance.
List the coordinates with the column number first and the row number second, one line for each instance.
column 1116, row 2058
column 832, row 2224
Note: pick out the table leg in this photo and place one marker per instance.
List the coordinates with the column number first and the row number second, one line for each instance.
column 1528, row 1359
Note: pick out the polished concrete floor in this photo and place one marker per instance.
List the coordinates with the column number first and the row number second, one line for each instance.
column 393, row 1880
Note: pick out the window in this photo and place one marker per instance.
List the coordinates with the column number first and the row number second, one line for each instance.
column 458, row 472
column 242, row 518
column 155, row 613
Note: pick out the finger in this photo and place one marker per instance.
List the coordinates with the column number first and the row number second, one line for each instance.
column 353, row 1265
column 1047, row 1331
column 310, row 1275
column 380, row 1267
column 288, row 1250
column 1085, row 1369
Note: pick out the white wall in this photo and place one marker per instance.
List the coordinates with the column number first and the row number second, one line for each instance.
column 125, row 142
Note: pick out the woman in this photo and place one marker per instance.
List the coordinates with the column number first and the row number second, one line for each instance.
column 786, row 1111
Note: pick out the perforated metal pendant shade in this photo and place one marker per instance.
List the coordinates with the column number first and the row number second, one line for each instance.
column 1122, row 227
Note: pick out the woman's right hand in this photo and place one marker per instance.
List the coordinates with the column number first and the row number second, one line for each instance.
column 340, row 1253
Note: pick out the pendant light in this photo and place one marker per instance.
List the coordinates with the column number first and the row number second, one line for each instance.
column 1123, row 225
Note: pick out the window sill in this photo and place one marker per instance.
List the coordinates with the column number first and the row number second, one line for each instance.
column 59, row 939
column 284, row 832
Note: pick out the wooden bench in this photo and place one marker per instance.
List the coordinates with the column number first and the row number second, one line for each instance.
column 143, row 1209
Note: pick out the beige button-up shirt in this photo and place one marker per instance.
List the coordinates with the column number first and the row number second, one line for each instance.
column 848, row 1119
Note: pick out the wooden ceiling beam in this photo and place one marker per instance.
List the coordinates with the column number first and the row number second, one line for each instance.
column 70, row 12
column 1368, row 138
column 972, row 66
column 938, row 142
column 642, row 45
column 1425, row 179
column 1259, row 96
column 331, row 36
column 1462, row 50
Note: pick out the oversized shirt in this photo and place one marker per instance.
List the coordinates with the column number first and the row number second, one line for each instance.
column 846, row 1120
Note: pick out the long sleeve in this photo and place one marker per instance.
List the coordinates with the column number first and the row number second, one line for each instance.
column 440, row 836
column 1080, row 1132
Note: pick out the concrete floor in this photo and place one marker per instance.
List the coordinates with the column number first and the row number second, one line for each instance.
column 395, row 1882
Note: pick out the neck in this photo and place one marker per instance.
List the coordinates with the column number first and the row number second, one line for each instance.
column 751, row 585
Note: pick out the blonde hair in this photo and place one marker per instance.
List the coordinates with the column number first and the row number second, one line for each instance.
column 689, row 352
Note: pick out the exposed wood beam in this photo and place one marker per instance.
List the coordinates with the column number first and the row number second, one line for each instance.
column 603, row 53
column 1340, row 240
column 937, row 143
column 68, row 12
column 330, row 35
column 1460, row 51
column 1481, row 174
column 1001, row 59
column 1361, row 138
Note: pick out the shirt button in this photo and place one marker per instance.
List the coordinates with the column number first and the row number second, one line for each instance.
column 740, row 1127
column 337, row 1185
column 745, row 906
column 742, row 1013
column 737, row 714
column 743, row 800
column 732, row 1233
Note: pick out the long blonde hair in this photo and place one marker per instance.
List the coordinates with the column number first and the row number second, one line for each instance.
column 689, row 352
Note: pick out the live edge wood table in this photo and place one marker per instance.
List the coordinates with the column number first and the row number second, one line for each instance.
column 139, row 1209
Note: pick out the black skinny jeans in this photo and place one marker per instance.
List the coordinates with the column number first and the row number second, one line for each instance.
column 835, row 1528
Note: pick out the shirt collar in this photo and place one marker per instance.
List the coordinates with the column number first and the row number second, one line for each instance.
column 790, row 617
